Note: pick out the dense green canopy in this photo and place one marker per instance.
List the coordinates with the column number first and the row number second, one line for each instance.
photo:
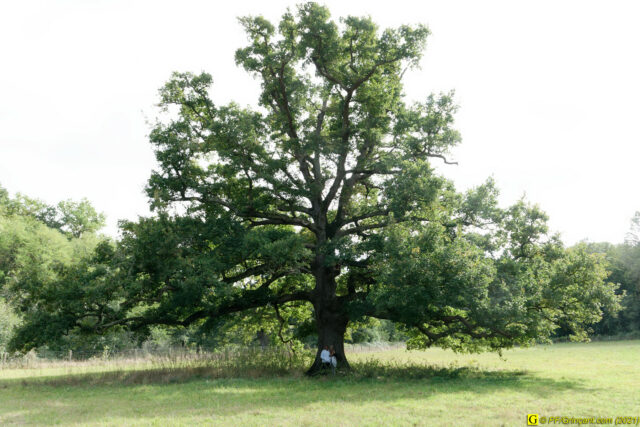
column 38, row 242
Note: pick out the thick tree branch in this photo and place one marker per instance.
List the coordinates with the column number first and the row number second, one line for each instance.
column 344, row 151
column 249, row 299
column 357, row 218
column 440, row 156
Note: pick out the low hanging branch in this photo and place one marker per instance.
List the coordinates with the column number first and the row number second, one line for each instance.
column 282, row 322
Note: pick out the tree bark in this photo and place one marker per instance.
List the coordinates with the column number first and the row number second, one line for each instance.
column 263, row 339
column 331, row 320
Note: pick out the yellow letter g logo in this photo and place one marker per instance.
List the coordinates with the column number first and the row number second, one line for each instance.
column 532, row 419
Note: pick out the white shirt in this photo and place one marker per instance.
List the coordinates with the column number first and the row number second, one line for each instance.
column 325, row 356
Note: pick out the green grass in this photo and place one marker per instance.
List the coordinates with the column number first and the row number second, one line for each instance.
column 394, row 387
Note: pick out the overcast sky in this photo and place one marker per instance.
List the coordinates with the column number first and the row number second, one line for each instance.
column 549, row 95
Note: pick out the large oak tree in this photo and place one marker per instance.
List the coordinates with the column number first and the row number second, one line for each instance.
column 326, row 194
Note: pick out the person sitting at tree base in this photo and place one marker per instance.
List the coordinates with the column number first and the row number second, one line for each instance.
column 333, row 359
column 328, row 359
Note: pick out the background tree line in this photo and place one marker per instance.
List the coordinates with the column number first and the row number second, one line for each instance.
column 624, row 266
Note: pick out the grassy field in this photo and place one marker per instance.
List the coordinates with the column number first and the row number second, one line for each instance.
column 394, row 387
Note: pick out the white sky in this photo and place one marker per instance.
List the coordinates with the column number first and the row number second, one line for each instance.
column 549, row 94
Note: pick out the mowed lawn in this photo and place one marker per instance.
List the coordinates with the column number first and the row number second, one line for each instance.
column 433, row 387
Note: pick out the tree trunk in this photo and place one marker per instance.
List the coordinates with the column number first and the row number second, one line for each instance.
column 332, row 321
column 263, row 339
column 331, row 317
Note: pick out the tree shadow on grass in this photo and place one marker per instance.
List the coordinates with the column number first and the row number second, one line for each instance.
column 185, row 392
